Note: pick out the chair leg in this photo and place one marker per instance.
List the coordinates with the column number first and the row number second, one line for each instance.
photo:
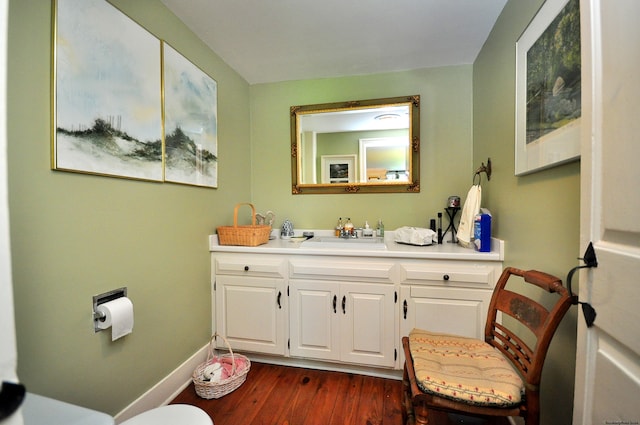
column 421, row 415
column 532, row 418
column 411, row 415
column 408, row 417
column 532, row 413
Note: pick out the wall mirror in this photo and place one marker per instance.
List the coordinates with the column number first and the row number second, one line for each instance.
column 363, row 146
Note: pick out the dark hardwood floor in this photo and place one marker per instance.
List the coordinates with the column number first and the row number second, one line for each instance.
column 283, row 395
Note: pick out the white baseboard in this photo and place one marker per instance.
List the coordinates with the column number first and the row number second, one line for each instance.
column 323, row 365
column 167, row 389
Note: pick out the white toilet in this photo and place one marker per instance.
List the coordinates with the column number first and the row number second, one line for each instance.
column 172, row 414
column 39, row 410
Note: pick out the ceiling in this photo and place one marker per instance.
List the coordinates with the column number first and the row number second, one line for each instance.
column 280, row 40
column 387, row 117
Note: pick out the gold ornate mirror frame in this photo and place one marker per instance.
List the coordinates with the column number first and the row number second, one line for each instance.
column 386, row 182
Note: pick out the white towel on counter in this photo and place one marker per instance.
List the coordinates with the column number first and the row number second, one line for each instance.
column 415, row 236
column 469, row 211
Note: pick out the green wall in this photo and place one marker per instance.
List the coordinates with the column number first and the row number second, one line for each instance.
column 74, row 236
column 446, row 166
column 537, row 214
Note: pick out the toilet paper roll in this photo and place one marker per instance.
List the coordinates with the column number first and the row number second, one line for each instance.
column 118, row 314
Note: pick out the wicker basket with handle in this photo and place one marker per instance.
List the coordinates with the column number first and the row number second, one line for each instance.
column 209, row 389
column 248, row 235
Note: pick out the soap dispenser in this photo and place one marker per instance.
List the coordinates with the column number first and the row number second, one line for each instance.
column 367, row 232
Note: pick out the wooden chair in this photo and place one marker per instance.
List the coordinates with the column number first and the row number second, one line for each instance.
column 526, row 359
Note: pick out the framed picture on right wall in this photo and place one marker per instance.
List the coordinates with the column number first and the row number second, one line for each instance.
column 548, row 88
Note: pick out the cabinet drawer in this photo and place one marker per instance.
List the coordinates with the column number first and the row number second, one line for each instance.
column 250, row 265
column 332, row 268
column 452, row 274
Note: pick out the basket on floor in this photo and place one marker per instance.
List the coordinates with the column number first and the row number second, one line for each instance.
column 240, row 366
column 247, row 235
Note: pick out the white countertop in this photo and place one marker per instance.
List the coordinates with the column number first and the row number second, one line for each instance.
column 444, row 251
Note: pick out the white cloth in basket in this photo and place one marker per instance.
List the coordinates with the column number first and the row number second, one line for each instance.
column 213, row 372
column 221, row 369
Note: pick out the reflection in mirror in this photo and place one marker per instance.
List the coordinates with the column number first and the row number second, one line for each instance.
column 358, row 146
column 384, row 159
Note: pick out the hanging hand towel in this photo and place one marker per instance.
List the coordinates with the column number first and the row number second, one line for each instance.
column 469, row 212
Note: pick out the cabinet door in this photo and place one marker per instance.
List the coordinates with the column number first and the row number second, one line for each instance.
column 314, row 318
column 368, row 326
column 251, row 312
column 448, row 310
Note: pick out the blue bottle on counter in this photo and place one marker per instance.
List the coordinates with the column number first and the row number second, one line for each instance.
column 482, row 231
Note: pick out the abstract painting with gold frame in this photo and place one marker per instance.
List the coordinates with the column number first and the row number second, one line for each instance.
column 107, row 106
column 191, row 141
column 548, row 88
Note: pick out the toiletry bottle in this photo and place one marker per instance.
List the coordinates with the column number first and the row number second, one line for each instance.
column 338, row 229
column 348, row 227
column 482, row 231
column 368, row 231
column 380, row 229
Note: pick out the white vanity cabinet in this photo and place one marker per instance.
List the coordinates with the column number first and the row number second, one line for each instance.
column 290, row 303
column 343, row 310
column 249, row 295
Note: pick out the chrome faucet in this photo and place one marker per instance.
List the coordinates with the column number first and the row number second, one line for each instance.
column 348, row 234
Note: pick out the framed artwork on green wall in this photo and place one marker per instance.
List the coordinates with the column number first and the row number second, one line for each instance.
column 106, row 97
column 191, row 132
column 548, row 88
column 126, row 104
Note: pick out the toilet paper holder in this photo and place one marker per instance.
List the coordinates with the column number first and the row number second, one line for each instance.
column 98, row 316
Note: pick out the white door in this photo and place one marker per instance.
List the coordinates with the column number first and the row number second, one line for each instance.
column 314, row 323
column 607, row 389
column 250, row 313
column 424, row 307
column 8, row 354
column 368, row 324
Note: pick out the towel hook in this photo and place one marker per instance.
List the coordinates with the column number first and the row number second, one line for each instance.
column 483, row 169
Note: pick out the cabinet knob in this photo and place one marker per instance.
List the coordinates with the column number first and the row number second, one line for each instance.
column 246, row 268
column 445, row 277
